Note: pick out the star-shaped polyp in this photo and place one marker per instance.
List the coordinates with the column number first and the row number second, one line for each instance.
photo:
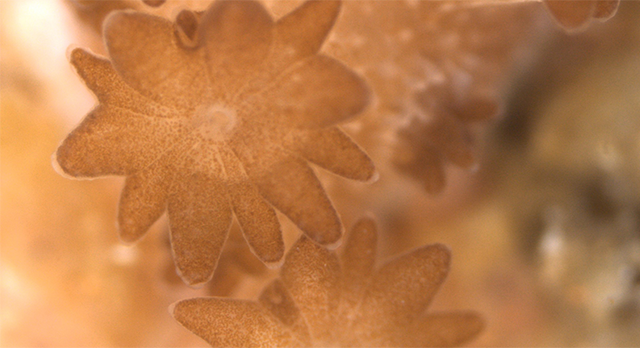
column 323, row 300
column 218, row 115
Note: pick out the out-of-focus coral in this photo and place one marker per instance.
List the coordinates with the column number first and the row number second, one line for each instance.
column 323, row 300
column 206, row 135
column 92, row 13
column 565, row 164
column 154, row 3
column 445, row 139
column 577, row 14
column 437, row 69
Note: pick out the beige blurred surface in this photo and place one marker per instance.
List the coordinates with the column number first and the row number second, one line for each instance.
column 529, row 250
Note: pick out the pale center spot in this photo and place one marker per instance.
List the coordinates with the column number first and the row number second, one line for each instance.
column 214, row 121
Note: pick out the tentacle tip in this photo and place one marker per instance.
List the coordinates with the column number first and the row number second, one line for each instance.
column 442, row 250
column 172, row 308
column 118, row 21
column 368, row 218
column 274, row 264
column 365, row 227
column 198, row 284
column 194, row 281
column 60, row 168
column 373, row 177
column 127, row 238
column 334, row 245
column 73, row 51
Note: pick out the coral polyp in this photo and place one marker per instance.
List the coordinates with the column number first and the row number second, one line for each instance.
column 224, row 128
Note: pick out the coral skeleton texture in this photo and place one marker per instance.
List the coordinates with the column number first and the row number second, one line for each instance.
column 217, row 116
column 324, row 300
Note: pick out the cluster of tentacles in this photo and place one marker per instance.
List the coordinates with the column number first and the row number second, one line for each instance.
column 219, row 114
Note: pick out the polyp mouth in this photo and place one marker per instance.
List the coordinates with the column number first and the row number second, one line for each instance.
column 214, row 121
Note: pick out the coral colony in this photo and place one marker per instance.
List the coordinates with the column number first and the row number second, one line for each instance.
column 221, row 113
